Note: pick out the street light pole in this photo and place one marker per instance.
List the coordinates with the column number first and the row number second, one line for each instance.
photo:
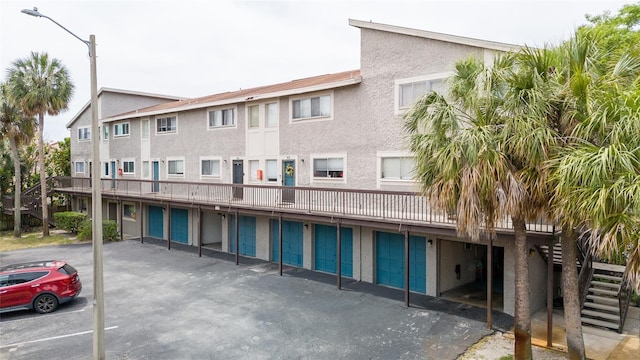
column 96, row 197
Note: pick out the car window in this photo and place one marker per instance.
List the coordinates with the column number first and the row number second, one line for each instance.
column 21, row 278
column 4, row 280
column 67, row 269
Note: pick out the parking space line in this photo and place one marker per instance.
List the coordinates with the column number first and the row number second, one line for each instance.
column 59, row 312
column 54, row 338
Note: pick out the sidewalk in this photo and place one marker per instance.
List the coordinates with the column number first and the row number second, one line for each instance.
column 599, row 344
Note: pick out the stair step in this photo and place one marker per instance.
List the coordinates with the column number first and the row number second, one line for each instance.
column 603, row 299
column 594, row 305
column 606, row 284
column 599, row 314
column 602, row 323
column 603, row 291
column 608, row 267
column 607, row 277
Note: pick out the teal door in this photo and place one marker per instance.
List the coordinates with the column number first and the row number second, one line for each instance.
column 291, row 242
column 390, row 261
column 180, row 225
column 247, row 235
column 326, row 244
column 113, row 174
column 288, row 179
column 156, row 176
column 156, row 223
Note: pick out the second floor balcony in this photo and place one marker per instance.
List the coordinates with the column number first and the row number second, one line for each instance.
column 402, row 208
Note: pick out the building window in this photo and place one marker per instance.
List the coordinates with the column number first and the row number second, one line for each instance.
column 318, row 106
column 175, row 167
column 79, row 167
column 84, row 133
column 408, row 91
column 129, row 211
column 254, row 116
column 144, row 129
column 210, row 167
column 105, row 132
column 221, row 118
column 106, row 169
column 128, row 167
column 271, row 115
column 272, row 170
column 328, row 168
column 121, row 129
column 254, row 165
column 397, row 168
column 145, row 169
column 166, row 124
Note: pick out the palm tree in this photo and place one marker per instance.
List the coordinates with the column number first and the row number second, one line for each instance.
column 18, row 129
column 462, row 164
column 40, row 85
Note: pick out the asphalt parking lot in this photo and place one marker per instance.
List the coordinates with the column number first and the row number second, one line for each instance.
column 162, row 304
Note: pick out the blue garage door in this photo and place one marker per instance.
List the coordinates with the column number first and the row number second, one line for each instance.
column 156, row 223
column 390, row 261
column 326, row 239
column 247, row 232
column 291, row 242
column 180, row 225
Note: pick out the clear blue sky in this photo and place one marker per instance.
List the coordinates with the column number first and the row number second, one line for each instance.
column 194, row 48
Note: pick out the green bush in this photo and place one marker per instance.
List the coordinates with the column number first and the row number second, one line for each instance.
column 109, row 230
column 69, row 220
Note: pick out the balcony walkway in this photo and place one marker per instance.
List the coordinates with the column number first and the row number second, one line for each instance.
column 405, row 208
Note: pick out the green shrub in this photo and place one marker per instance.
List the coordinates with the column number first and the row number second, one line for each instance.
column 69, row 220
column 109, row 230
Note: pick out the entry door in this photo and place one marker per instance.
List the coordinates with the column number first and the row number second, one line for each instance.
column 156, row 177
column 238, row 177
column 288, row 179
column 113, row 174
column 113, row 211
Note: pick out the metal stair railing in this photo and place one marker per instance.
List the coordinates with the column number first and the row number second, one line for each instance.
column 584, row 278
column 624, row 297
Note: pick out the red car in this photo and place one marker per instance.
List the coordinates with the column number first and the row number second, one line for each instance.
column 40, row 286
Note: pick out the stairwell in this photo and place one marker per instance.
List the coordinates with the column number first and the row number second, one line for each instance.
column 31, row 201
column 603, row 305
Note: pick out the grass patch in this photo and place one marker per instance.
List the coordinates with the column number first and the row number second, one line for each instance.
column 32, row 240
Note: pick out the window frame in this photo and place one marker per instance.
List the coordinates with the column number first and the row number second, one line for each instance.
column 125, row 168
column 399, row 110
column 211, row 158
column 122, row 126
column 266, row 171
column 86, row 130
column 75, row 167
column 166, row 132
column 176, row 175
column 293, row 99
column 105, row 132
column 386, row 181
column 322, row 179
column 233, row 108
column 132, row 216
column 145, row 128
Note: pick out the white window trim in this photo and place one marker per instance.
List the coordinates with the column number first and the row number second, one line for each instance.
column 133, row 160
column 277, row 103
column 78, row 134
column 142, row 169
column 149, row 129
column 261, row 166
column 84, row 168
column 278, row 171
column 224, row 127
column 135, row 212
column 128, row 134
column 396, row 87
column 391, row 154
column 202, row 176
column 184, row 167
column 105, row 126
column 323, row 180
column 155, row 124
column 313, row 118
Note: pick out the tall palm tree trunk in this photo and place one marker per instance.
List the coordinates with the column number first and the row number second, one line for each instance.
column 43, row 176
column 17, row 192
column 522, row 318
column 571, row 295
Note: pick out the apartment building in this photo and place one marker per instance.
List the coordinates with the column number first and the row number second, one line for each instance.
column 313, row 173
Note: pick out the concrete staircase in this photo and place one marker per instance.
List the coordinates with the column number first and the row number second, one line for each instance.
column 602, row 306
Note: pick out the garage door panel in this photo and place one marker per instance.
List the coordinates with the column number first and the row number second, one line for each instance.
column 247, row 235
column 180, row 225
column 326, row 239
column 156, row 222
column 390, row 261
column 291, row 242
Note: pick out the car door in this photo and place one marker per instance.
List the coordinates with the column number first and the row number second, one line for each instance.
column 21, row 289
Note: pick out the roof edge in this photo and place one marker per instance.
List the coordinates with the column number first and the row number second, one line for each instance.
column 435, row 35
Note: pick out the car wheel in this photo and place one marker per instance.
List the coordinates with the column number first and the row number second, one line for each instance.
column 45, row 303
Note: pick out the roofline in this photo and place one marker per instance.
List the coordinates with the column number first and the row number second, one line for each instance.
column 120, row 91
column 194, row 104
column 435, row 36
